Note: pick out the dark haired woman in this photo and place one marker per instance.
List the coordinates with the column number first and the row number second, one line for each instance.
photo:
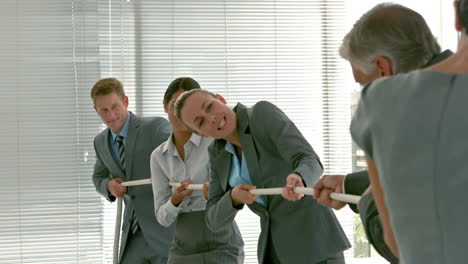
column 184, row 158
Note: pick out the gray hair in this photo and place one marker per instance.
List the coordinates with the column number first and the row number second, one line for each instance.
column 180, row 103
column 393, row 31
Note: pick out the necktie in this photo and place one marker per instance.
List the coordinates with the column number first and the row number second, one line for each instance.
column 121, row 146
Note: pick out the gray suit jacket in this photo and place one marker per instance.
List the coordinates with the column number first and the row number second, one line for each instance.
column 356, row 183
column 302, row 231
column 144, row 135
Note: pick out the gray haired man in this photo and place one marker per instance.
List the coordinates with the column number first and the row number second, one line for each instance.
column 387, row 40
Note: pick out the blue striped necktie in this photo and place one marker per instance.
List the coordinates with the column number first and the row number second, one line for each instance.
column 120, row 144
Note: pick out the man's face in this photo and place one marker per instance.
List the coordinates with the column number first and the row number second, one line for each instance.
column 209, row 116
column 363, row 78
column 112, row 110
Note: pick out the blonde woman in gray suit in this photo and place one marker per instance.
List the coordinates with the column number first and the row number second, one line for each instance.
column 184, row 158
column 261, row 147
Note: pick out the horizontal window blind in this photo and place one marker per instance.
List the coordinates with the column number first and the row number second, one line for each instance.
column 54, row 50
column 50, row 212
column 285, row 52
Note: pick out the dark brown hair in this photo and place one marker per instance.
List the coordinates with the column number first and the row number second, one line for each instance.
column 181, row 83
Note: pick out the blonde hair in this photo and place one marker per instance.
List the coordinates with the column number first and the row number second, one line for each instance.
column 106, row 86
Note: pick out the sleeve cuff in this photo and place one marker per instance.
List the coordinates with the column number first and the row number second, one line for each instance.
column 176, row 209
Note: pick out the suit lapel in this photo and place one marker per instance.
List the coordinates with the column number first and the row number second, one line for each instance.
column 132, row 134
column 248, row 145
column 222, row 159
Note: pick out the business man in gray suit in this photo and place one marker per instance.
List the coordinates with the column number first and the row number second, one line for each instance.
column 370, row 49
column 260, row 147
column 123, row 153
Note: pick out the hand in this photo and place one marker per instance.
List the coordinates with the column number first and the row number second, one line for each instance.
column 240, row 194
column 325, row 186
column 293, row 180
column 116, row 188
column 179, row 193
column 206, row 189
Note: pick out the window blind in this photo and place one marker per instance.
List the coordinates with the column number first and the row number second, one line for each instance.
column 285, row 52
column 50, row 212
column 54, row 50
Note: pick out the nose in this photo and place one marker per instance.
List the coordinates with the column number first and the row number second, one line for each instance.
column 213, row 118
column 110, row 114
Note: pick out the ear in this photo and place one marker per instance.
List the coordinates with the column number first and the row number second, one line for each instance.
column 165, row 106
column 384, row 67
column 221, row 98
column 126, row 101
column 95, row 109
column 458, row 23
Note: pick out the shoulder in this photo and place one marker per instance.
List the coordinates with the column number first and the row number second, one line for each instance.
column 158, row 152
column 394, row 96
column 263, row 107
column 263, row 111
column 153, row 120
column 99, row 138
column 155, row 124
column 380, row 88
column 162, row 147
column 402, row 85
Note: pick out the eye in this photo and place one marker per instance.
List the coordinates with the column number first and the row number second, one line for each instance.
column 202, row 121
column 208, row 108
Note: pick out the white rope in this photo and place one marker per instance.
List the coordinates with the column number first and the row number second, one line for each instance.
column 278, row 191
column 118, row 218
column 347, row 198
column 190, row 186
column 137, row 182
column 118, row 222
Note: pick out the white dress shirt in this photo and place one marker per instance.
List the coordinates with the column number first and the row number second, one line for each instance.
column 167, row 166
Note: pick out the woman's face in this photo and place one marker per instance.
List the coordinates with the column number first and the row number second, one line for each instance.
column 169, row 108
column 209, row 116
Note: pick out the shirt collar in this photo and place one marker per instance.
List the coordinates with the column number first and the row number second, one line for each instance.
column 124, row 130
column 170, row 147
column 230, row 148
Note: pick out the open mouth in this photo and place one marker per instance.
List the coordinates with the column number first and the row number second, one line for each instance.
column 221, row 125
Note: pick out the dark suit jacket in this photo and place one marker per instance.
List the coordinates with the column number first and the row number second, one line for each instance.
column 144, row 135
column 355, row 184
column 302, row 231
